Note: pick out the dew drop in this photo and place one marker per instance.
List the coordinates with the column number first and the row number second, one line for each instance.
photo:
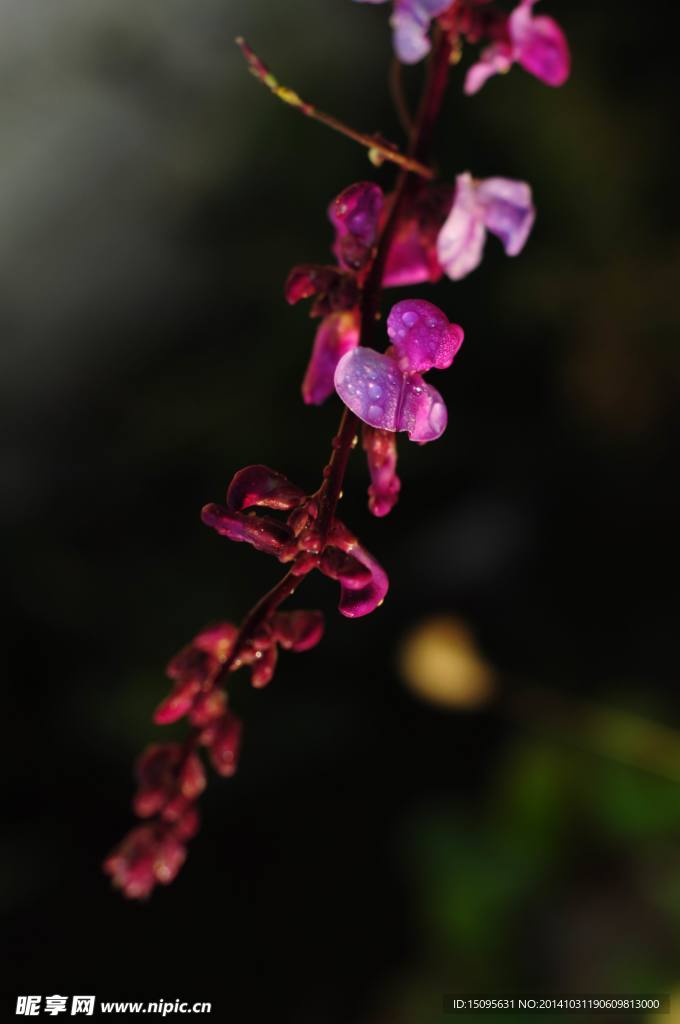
column 438, row 416
column 409, row 318
column 374, row 412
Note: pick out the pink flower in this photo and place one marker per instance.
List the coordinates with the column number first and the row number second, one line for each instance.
column 537, row 43
column 499, row 205
column 388, row 391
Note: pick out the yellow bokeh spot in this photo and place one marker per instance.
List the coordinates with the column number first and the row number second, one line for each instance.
column 441, row 663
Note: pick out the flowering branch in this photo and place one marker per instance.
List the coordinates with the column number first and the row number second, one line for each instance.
column 418, row 233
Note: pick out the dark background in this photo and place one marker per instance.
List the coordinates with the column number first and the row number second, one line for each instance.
column 375, row 850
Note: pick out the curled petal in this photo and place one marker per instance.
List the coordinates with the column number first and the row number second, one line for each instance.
column 259, row 485
column 381, row 453
column 508, row 211
column 422, row 336
column 461, row 239
column 297, row 631
column 357, row 598
column 338, row 565
column 337, row 333
column 355, row 215
column 539, row 44
column 376, row 390
column 263, row 533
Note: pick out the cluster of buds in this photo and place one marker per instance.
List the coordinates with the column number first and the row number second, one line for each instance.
column 417, row 234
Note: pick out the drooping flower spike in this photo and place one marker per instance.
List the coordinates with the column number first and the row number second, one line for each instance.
column 388, row 391
column 433, row 229
column 499, row 205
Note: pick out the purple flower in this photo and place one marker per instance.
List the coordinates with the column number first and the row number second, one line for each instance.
column 388, row 391
column 499, row 205
column 410, row 22
column 537, row 43
column 337, row 333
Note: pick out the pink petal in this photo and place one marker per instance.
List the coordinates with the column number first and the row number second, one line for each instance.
column 461, row 240
column 494, row 60
column 508, row 211
column 539, row 45
column 359, row 598
column 422, row 336
column 337, row 334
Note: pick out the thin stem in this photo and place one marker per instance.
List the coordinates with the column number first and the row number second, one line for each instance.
column 379, row 150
